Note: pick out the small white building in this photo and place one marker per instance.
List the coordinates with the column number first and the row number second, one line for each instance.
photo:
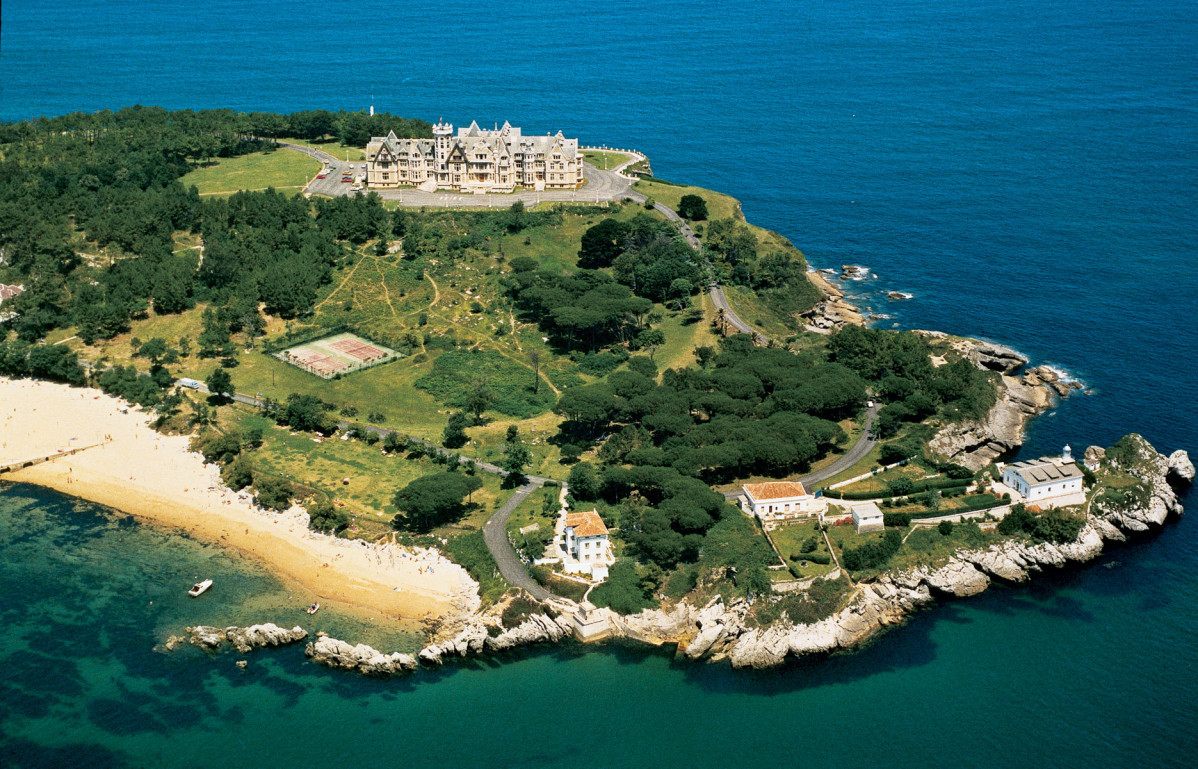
column 587, row 546
column 867, row 517
column 780, row 501
column 1047, row 481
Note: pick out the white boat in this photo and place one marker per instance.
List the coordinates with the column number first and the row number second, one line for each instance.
column 199, row 587
column 313, row 608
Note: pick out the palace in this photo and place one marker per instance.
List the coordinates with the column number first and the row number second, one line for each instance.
column 476, row 160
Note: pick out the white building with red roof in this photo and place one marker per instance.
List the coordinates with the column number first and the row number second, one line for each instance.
column 780, row 501
column 587, row 545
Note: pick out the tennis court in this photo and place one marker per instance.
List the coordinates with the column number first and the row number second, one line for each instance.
column 338, row 354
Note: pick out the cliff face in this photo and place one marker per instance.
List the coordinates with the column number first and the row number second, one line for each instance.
column 977, row 443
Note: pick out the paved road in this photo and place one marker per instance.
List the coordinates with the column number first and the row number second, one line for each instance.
column 865, row 443
column 495, row 535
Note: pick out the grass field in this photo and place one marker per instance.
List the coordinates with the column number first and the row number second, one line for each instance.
column 284, row 170
column 332, row 147
column 789, row 540
column 373, row 477
column 605, row 159
column 719, row 206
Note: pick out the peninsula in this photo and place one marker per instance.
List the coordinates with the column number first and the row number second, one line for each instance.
column 615, row 409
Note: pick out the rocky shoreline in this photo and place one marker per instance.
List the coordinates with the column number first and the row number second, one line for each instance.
column 719, row 631
column 1022, row 394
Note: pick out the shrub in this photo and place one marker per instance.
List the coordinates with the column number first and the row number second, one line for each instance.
column 874, row 553
column 622, row 592
column 898, row 520
column 945, row 528
column 324, row 517
column 518, row 610
column 274, row 493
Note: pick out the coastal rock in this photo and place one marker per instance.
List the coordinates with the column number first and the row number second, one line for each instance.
column 959, row 578
column 1093, row 456
column 269, row 634
column 361, row 658
column 1181, row 469
column 656, row 627
column 244, row 639
column 977, row 443
column 995, row 357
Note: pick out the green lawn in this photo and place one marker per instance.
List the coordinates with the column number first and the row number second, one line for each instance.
column 285, row 170
column 605, row 159
column 719, row 206
column 332, row 147
column 789, row 540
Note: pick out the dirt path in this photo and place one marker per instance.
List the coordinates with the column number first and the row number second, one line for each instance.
column 436, row 291
column 341, row 285
column 383, row 283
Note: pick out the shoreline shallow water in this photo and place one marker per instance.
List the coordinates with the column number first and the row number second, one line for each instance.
column 157, row 478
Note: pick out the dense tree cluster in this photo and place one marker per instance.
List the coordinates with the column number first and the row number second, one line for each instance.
column 777, row 274
column 749, row 410
column 113, row 178
column 645, row 254
column 586, row 310
column 900, row 367
column 433, row 500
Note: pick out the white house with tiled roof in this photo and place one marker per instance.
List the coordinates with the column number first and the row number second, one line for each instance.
column 587, row 545
column 476, row 160
column 780, row 501
column 1047, row 481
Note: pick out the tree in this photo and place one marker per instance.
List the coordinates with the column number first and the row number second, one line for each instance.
column 479, row 398
column 433, row 500
column 516, row 456
column 239, row 473
column 155, row 349
column 454, row 436
column 692, row 207
column 651, row 339
column 534, row 357
column 583, row 482
column 601, row 244
column 324, row 517
column 219, row 383
column 945, row 528
column 307, row 412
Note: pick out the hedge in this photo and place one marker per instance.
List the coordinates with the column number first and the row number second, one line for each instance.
column 820, row 558
column 921, row 486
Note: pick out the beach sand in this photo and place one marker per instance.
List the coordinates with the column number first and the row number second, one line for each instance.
column 121, row 463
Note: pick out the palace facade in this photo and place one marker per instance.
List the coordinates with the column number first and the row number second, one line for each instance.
column 476, row 160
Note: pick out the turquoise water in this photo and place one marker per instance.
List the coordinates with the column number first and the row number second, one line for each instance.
column 1029, row 170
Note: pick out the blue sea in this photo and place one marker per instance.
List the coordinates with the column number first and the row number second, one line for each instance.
column 1028, row 170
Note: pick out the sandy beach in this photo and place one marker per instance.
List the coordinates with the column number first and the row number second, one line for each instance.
column 105, row 452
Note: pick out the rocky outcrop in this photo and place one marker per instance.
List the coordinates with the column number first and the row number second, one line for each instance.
column 360, row 658
column 1181, row 469
column 977, row 443
column 243, row 639
column 478, row 636
column 832, row 312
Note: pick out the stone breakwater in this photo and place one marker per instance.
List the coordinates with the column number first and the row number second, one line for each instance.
column 722, row 631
